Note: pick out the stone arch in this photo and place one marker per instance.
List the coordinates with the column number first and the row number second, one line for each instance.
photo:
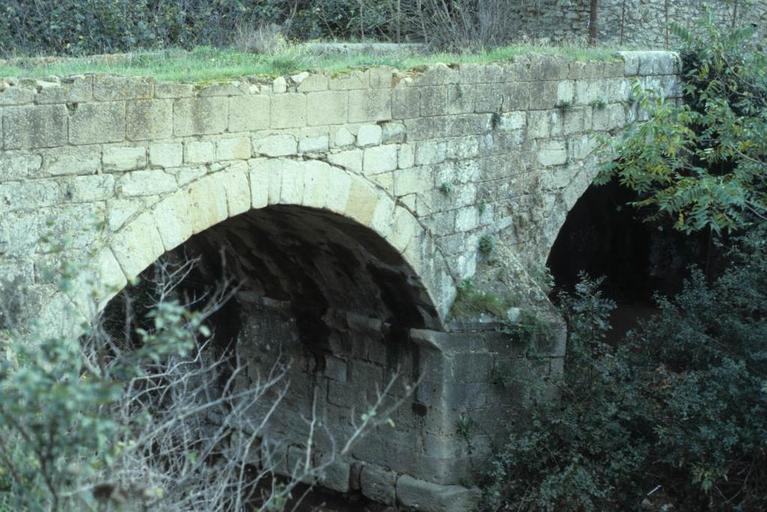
column 269, row 183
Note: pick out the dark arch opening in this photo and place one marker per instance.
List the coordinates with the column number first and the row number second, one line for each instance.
column 325, row 293
column 605, row 236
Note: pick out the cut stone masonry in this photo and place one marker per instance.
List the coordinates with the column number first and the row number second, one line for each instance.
column 355, row 201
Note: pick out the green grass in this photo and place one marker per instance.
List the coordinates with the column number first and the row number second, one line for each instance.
column 471, row 302
column 209, row 64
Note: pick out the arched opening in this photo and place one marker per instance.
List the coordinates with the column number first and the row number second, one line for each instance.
column 604, row 235
column 332, row 303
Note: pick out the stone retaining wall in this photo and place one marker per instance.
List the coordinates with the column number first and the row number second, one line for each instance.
column 629, row 23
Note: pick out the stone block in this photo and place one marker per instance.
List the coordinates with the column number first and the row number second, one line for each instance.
column 173, row 90
column 291, row 184
column 233, row 148
column 466, row 219
column 124, row 158
column 380, row 159
column 369, row 135
column 170, row 218
column 149, row 119
column 340, row 183
column 406, row 102
column 86, row 189
column 428, row 153
column 19, row 232
column 94, row 123
column 166, row 154
column 120, row 210
column 460, row 99
column 74, row 89
column 380, row 77
column 406, row 156
column 549, row 67
column 137, row 245
column 360, row 206
column 311, row 82
column 351, row 160
column 488, row 98
column 316, row 179
column 327, row 107
column 260, row 176
column 200, row 116
column 576, row 120
column 206, row 203
column 237, row 188
column 585, row 70
column 552, row 153
column 433, row 101
column 15, row 95
column 314, row 144
column 16, row 165
column 279, row 85
column 275, row 145
column 343, row 137
column 544, row 96
column 462, row 148
column 566, row 92
column 378, row 484
column 520, row 96
column 630, row 63
column 112, row 88
column 233, row 88
column 248, row 113
column 349, row 81
column 288, row 110
column 538, row 126
column 199, row 151
column 146, row 183
column 428, row 497
column 336, row 369
column 370, row 105
column 511, row 121
column 393, row 133
column 41, row 126
column 336, row 476
column 589, row 91
column 186, row 175
column 411, row 181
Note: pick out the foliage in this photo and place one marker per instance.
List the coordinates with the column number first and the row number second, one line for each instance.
column 54, row 433
column 472, row 301
column 486, row 245
column 76, row 27
column 680, row 404
column 209, row 64
column 703, row 163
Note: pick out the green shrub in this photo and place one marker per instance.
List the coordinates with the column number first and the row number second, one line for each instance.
column 703, row 163
column 681, row 403
column 76, row 27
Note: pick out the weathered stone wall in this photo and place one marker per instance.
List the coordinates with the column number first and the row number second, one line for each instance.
column 629, row 23
column 378, row 186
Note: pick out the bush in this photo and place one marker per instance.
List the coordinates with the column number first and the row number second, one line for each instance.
column 674, row 416
column 146, row 411
column 76, row 27
column 703, row 164
column 679, row 407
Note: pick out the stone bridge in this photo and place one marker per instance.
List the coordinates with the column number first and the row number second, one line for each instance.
column 350, row 208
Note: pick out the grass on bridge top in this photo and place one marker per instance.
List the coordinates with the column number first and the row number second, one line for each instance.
column 210, row 64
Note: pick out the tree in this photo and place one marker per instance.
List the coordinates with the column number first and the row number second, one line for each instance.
column 703, row 163
column 593, row 16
